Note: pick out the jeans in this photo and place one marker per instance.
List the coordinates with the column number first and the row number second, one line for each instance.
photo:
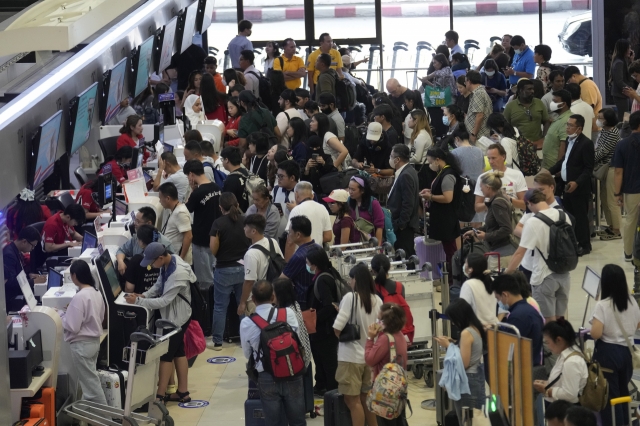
column 278, row 395
column 225, row 281
column 617, row 358
column 203, row 263
column 84, row 355
column 476, row 398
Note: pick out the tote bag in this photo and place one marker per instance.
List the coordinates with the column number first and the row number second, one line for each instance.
column 437, row 96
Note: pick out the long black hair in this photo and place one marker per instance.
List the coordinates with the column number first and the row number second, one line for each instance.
column 285, row 295
column 82, row 272
column 462, row 316
column 317, row 256
column 211, row 98
column 380, row 264
column 560, row 328
column 299, row 131
column 364, row 286
column 496, row 120
column 367, row 193
column 478, row 263
column 447, row 157
column 415, row 97
column 613, row 283
column 323, row 124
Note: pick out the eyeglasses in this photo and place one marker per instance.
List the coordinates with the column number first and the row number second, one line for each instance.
column 33, row 245
column 571, row 125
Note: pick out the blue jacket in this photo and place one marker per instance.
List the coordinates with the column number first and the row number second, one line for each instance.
column 454, row 378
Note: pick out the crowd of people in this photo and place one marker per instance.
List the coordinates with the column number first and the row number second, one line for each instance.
column 251, row 220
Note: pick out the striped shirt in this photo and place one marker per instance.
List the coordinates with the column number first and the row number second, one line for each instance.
column 606, row 146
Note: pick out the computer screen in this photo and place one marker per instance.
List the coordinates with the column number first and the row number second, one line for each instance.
column 44, row 147
column 189, row 26
column 34, row 344
column 108, row 193
column 108, row 274
column 121, row 207
column 167, row 147
column 205, row 13
column 136, row 158
column 144, row 66
column 147, row 177
column 89, row 241
column 81, row 117
column 115, row 84
column 54, row 279
column 168, row 42
column 97, row 224
column 591, row 282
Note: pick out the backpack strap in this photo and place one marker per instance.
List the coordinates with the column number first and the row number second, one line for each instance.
column 259, row 321
column 554, row 381
column 281, row 315
column 207, row 164
column 392, row 347
column 281, row 63
column 288, row 118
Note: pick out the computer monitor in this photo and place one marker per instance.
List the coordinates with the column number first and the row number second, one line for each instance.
column 591, row 282
column 108, row 274
column 205, row 13
column 112, row 91
column 41, row 155
column 136, row 158
column 167, row 147
column 34, row 344
column 54, row 279
column 165, row 45
column 186, row 27
column 89, row 241
column 141, row 66
column 81, row 118
column 158, row 132
column 147, row 177
column 121, row 207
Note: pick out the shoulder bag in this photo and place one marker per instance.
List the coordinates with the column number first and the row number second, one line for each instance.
column 351, row 331
column 635, row 355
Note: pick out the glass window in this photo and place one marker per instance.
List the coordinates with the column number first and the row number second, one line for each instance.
column 345, row 20
column 621, row 21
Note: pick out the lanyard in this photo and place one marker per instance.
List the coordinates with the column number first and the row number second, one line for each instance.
column 164, row 228
column 438, row 175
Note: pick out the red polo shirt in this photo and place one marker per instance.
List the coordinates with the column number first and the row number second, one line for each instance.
column 126, row 140
column 85, row 199
column 118, row 172
column 56, row 231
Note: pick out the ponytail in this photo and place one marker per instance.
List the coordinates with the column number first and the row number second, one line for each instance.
column 229, row 203
column 380, row 265
column 478, row 263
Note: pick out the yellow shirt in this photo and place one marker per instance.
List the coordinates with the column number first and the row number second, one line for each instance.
column 293, row 64
column 336, row 62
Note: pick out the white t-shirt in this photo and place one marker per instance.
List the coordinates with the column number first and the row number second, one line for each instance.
column 318, row 216
column 280, row 197
column 354, row 351
column 256, row 263
column 535, row 237
column 512, row 182
column 585, row 110
column 527, row 260
column 482, row 303
column 630, row 318
column 181, row 181
column 420, row 146
column 283, row 121
column 174, row 223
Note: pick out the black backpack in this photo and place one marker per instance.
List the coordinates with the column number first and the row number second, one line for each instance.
column 276, row 261
column 466, row 204
column 199, row 308
column 345, row 98
column 563, row 246
column 264, row 89
column 351, row 139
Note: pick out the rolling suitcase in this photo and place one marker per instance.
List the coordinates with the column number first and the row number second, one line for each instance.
column 47, row 397
column 253, row 414
column 431, row 251
column 32, row 422
column 253, row 390
column 336, row 412
column 113, row 383
column 630, row 406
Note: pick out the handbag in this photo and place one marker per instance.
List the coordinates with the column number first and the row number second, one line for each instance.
column 437, row 96
column 194, row 341
column 601, row 172
column 309, row 318
column 635, row 355
column 365, row 227
column 380, row 184
column 351, row 331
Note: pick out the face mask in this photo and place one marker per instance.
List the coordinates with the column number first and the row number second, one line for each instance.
column 392, row 163
column 599, row 123
column 554, row 106
column 326, row 111
column 466, row 273
column 445, row 120
column 503, row 306
column 309, row 270
column 572, row 136
column 517, row 51
column 490, row 73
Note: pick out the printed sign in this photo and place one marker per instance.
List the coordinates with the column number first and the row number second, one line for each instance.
column 165, row 97
column 221, row 360
column 135, row 174
column 26, row 291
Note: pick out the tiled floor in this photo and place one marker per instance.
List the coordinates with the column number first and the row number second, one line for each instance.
column 224, row 386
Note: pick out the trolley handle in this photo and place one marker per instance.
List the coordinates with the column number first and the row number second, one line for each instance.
column 163, row 323
column 142, row 337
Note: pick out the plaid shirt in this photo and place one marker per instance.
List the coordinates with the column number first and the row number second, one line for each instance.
column 480, row 103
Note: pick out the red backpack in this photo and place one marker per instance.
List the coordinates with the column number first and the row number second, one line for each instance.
column 280, row 348
column 396, row 297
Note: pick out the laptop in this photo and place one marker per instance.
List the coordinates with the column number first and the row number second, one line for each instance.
column 54, row 279
column 167, row 147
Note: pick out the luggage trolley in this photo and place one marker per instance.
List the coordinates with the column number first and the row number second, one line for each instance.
column 143, row 366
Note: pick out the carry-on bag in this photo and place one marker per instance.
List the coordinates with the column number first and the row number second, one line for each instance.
column 336, row 412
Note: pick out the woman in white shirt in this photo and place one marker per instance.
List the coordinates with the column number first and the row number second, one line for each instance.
column 331, row 145
column 569, row 376
column 421, row 138
column 507, row 136
column 353, row 375
column 412, row 102
column 476, row 290
column 611, row 350
column 273, row 51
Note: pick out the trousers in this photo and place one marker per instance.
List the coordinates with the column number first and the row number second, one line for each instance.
column 85, row 355
column 578, row 206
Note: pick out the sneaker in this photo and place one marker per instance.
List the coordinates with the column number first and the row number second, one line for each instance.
column 214, row 346
column 609, row 237
column 604, row 232
column 628, row 257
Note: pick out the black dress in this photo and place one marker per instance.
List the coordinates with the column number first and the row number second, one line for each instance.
column 444, row 224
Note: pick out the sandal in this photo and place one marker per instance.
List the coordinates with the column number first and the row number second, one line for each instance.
column 182, row 397
column 161, row 398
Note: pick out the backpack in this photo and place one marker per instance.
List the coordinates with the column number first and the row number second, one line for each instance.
column 341, row 287
column 345, row 98
column 595, row 394
column 351, row 139
column 280, row 350
column 388, row 396
column 276, row 261
column 466, row 206
column 563, row 246
column 251, row 182
column 218, row 176
column 389, row 234
column 199, row 307
column 527, row 154
column 397, row 298
column 264, row 89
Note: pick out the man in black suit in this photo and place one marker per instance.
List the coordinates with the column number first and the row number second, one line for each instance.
column 403, row 199
column 575, row 169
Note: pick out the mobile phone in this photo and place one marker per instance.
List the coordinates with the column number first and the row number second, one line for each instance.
column 314, row 157
column 475, row 231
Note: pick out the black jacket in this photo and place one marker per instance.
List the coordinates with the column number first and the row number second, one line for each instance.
column 579, row 164
column 13, row 261
column 376, row 154
column 403, row 200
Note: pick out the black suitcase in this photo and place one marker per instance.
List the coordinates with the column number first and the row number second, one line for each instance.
column 336, row 412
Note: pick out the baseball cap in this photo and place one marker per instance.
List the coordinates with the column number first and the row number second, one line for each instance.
column 151, row 253
column 337, row 195
column 374, row 131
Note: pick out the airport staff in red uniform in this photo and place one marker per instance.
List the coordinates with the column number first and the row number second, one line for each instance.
column 58, row 232
column 86, row 200
column 117, row 163
column 131, row 134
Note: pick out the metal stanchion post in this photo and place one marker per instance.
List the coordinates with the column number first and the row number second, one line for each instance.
column 446, row 326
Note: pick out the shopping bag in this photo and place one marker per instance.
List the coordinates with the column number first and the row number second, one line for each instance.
column 437, row 96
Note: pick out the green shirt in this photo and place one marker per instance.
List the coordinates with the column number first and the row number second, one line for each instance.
column 254, row 121
column 528, row 120
column 556, row 134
